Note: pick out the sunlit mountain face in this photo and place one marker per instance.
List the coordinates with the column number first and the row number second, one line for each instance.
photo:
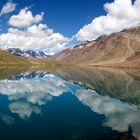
column 59, row 105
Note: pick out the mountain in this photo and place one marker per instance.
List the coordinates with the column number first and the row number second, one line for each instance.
column 115, row 83
column 29, row 75
column 10, row 59
column 120, row 49
column 28, row 53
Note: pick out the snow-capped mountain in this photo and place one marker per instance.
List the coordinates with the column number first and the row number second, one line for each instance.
column 28, row 53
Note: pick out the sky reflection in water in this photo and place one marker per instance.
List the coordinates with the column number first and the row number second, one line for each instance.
column 41, row 98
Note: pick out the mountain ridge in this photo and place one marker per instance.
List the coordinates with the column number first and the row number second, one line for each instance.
column 120, row 49
column 30, row 54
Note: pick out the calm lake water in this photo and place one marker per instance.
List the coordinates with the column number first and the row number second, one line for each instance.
column 69, row 104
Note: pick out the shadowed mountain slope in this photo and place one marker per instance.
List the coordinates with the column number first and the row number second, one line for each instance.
column 122, row 84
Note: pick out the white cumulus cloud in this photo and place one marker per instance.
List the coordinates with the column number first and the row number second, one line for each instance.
column 119, row 115
column 27, row 32
column 36, row 91
column 24, row 109
column 38, row 88
column 8, row 8
column 48, row 86
column 25, row 18
column 121, row 14
column 37, row 37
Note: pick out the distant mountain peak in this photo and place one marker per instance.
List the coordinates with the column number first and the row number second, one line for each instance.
column 30, row 54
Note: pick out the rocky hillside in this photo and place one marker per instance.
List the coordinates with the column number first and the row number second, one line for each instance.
column 118, row 50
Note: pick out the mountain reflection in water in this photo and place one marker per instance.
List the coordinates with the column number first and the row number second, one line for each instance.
column 109, row 101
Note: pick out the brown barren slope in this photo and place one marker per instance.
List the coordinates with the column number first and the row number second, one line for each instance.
column 118, row 50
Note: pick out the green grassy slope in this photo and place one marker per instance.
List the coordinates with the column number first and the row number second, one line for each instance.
column 10, row 59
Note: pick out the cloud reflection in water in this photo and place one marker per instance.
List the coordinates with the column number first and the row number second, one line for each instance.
column 27, row 92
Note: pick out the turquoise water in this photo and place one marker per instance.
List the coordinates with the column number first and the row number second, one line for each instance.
column 70, row 105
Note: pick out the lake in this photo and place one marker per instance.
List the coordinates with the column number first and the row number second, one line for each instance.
column 71, row 103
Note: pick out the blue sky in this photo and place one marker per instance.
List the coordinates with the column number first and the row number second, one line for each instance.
column 64, row 16
column 53, row 25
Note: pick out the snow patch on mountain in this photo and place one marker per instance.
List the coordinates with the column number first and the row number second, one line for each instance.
column 28, row 53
